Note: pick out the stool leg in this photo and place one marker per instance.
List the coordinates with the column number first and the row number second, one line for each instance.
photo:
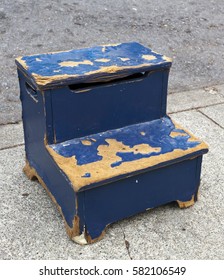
column 186, row 204
column 101, row 236
column 73, row 231
column 85, row 238
column 30, row 172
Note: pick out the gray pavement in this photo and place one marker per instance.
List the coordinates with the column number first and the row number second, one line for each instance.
column 187, row 31
column 31, row 227
column 191, row 32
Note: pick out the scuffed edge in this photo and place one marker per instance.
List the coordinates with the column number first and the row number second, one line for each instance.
column 20, row 61
column 67, row 165
column 193, row 137
column 109, row 74
column 31, row 173
column 73, row 233
column 44, row 81
column 186, row 204
column 80, row 239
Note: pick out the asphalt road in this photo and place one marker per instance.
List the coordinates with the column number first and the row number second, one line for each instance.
column 191, row 32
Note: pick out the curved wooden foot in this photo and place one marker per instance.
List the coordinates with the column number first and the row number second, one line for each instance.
column 74, row 233
column 30, row 172
column 84, row 238
column 186, row 204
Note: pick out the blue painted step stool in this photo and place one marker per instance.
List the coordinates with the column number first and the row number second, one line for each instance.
column 98, row 139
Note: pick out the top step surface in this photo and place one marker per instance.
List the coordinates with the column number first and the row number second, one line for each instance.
column 104, row 157
column 96, row 64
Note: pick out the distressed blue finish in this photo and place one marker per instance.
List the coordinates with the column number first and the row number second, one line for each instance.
column 99, row 139
column 134, row 51
column 91, row 63
column 156, row 134
column 114, row 154
column 36, row 153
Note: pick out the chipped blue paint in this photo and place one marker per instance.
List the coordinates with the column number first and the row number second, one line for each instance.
column 156, row 134
column 86, row 175
column 84, row 154
column 178, row 130
column 48, row 65
column 138, row 108
column 131, row 156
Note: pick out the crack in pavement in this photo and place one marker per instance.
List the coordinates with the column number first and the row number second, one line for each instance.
column 127, row 243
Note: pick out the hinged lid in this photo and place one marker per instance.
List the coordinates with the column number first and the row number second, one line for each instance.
column 97, row 64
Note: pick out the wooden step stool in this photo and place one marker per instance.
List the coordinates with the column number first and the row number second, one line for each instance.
column 98, row 139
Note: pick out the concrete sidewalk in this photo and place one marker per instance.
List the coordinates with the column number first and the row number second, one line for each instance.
column 31, row 227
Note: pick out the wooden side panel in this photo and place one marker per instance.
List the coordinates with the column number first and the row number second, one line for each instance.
column 34, row 121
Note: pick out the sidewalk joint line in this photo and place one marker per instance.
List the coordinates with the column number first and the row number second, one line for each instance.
column 11, row 147
column 9, row 123
column 195, row 108
column 204, row 88
column 210, row 119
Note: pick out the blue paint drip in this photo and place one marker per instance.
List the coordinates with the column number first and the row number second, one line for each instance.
column 48, row 64
column 157, row 134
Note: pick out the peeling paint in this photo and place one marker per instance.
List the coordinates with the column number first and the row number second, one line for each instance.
column 89, row 64
column 122, row 151
column 86, row 142
column 31, row 174
column 186, row 204
column 34, row 99
column 82, row 90
column 104, row 47
column 102, row 60
column 55, row 137
column 80, row 239
column 168, row 59
column 124, row 58
column 20, row 60
column 148, row 57
column 176, row 134
column 108, row 74
column 66, row 144
column 75, row 63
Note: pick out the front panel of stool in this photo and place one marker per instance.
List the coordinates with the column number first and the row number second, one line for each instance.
column 82, row 110
column 124, row 198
